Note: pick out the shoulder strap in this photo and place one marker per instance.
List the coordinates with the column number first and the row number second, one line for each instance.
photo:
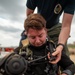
column 51, row 42
column 51, row 48
column 25, row 51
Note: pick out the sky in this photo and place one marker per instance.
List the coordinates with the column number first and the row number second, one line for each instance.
column 12, row 16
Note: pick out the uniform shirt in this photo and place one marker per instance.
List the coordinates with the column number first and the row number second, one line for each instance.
column 52, row 9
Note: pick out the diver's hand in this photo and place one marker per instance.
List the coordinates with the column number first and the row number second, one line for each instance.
column 57, row 54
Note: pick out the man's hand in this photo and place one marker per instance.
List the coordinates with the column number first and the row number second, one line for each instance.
column 57, row 54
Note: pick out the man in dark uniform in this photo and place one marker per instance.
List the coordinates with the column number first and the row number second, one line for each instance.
column 51, row 10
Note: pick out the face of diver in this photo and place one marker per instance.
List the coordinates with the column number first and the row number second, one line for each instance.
column 37, row 37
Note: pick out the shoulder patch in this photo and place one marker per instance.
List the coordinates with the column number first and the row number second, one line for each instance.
column 25, row 42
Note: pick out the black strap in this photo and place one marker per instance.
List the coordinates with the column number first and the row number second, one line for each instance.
column 61, row 45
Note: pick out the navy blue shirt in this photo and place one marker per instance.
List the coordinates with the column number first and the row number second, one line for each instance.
column 52, row 9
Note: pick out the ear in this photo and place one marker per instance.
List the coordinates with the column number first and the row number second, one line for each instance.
column 46, row 30
column 25, row 32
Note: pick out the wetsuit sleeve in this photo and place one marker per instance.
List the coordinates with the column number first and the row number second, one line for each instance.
column 70, row 7
column 31, row 4
column 66, row 63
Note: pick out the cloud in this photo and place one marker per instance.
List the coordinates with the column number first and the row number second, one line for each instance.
column 8, row 40
column 73, row 22
column 9, row 29
column 12, row 9
column 72, row 33
column 10, row 32
column 12, row 16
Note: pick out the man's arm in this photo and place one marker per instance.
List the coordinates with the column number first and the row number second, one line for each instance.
column 29, row 11
column 64, row 35
column 65, row 30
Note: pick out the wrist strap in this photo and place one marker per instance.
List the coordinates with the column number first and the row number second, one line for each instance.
column 60, row 44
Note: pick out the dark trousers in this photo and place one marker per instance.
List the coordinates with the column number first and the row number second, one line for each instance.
column 54, row 32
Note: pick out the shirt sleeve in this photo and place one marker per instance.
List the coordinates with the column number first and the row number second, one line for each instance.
column 70, row 7
column 31, row 4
